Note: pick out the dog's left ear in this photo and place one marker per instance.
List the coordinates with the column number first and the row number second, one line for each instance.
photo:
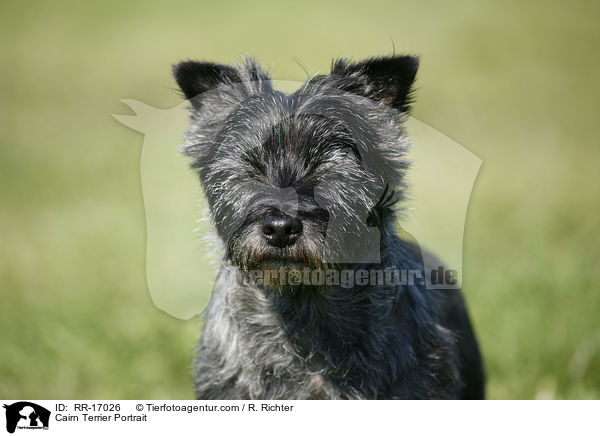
column 387, row 79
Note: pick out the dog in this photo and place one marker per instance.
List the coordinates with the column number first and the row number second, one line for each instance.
column 304, row 191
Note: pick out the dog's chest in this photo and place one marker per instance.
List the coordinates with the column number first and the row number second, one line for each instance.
column 280, row 370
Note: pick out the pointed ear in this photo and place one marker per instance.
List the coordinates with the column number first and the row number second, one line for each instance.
column 387, row 79
column 195, row 78
column 234, row 83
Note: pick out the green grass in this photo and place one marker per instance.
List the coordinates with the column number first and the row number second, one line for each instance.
column 514, row 82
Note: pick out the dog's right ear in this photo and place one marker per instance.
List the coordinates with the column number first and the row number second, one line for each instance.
column 237, row 82
column 196, row 78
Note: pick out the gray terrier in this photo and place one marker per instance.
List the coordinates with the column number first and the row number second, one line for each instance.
column 312, row 301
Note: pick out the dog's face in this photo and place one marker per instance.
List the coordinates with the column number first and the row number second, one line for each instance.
column 299, row 180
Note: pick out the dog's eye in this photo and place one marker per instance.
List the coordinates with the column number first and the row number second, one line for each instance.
column 315, row 213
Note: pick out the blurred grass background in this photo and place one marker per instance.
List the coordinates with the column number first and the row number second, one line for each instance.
column 515, row 82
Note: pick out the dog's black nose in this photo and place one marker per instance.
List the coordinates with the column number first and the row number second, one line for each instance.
column 281, row 231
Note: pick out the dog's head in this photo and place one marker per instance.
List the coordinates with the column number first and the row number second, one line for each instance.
column 300, row 180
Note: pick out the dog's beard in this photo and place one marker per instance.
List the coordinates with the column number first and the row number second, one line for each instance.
column 282, row 269
column 300, row 265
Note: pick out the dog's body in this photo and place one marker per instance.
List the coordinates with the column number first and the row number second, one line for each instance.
column 307, row 182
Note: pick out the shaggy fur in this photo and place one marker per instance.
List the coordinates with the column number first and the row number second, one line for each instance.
column 331, row 155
